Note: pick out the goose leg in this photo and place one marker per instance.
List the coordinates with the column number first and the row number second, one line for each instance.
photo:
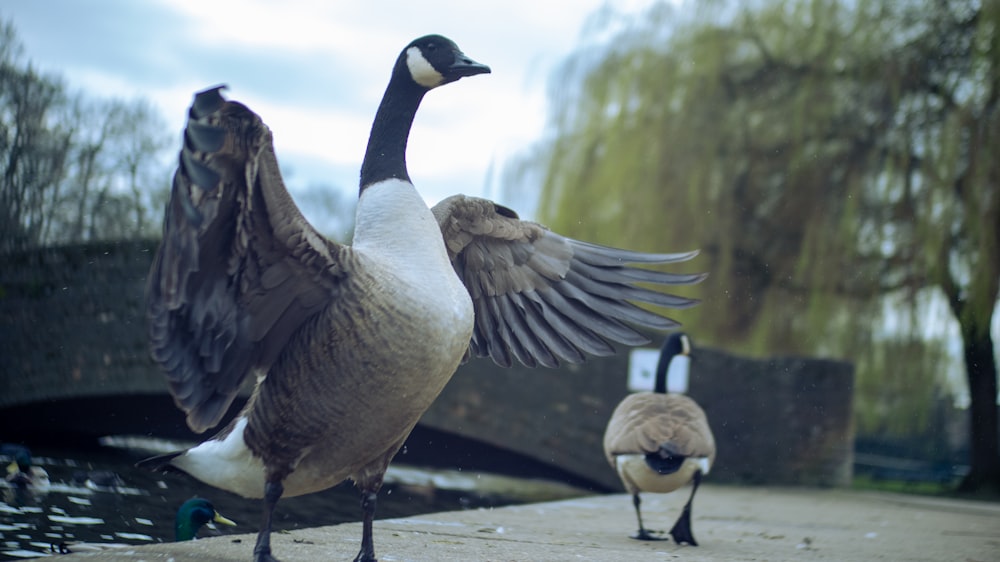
column 367, row 552
column 643, row 534
column 682, row 528
column 369, row 480
column 272, row 492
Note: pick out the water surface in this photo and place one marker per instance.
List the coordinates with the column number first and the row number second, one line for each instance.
column 141, row 506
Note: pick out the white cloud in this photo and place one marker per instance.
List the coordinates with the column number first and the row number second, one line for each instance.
column 315, row 71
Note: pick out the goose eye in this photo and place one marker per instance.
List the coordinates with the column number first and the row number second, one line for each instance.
column 432, row 47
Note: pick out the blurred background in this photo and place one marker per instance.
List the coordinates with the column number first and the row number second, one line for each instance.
column 835, row 162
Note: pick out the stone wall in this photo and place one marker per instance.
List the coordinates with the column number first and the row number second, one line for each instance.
column 71, row 326
column 775, row 421
column 71, row 323
column 783, row 420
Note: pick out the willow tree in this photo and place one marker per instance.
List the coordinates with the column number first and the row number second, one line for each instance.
column 835, row 161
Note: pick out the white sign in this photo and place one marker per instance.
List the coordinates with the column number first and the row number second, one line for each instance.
column 642, row 371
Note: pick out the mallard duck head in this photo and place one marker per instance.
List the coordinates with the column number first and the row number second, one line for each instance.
column 193, row 514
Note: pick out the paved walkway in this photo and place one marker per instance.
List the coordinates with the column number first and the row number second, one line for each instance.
column 731, row 523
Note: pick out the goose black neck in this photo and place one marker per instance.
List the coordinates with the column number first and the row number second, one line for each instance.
column 385, row 157
column 661, row 380
column 662, row 366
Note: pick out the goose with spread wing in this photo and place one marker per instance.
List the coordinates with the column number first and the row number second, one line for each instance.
column 349, row 345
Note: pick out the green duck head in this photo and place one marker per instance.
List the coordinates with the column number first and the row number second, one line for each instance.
column 192, row 515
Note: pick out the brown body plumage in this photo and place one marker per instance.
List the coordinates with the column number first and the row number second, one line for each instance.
column 645, row 421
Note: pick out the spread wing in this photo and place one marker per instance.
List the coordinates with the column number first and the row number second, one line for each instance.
column 239, row 269
column 542, row 298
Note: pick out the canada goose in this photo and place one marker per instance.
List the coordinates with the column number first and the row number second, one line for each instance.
column 658, row 442
column 349, row 345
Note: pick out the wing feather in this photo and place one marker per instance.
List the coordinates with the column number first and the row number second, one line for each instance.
column 544, row 299
column 487, row 333
column 563, row 341
column 571, row 324
column 239, row 269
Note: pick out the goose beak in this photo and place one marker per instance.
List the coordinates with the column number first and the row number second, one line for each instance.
column 464, row 66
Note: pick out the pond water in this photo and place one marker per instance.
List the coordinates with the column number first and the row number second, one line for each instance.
column 140, row 506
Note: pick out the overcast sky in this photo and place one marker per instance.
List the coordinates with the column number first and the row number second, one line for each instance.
column 316, row 70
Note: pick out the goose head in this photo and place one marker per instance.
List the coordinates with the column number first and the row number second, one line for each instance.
column 426, row 63
column 433, row 60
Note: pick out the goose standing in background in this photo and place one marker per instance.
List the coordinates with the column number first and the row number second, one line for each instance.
column 658, row 442
column 349, row 345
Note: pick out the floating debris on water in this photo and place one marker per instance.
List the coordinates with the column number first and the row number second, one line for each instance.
column 76, row 520
column 134, row 536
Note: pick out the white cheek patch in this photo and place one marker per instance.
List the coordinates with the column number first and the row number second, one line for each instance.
column 421, row 70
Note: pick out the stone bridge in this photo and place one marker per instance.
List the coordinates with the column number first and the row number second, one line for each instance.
column 74, row 363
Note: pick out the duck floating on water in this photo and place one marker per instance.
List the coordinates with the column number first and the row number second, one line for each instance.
column 22, row 472
column 192, row 515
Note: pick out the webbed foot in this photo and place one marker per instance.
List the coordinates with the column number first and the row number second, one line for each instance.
column 681, row 532
column 646, row 535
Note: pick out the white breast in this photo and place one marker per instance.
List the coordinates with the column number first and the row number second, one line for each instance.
column 395, row 232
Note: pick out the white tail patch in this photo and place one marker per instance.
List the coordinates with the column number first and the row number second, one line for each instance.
column 637, row 475
column 227, row 464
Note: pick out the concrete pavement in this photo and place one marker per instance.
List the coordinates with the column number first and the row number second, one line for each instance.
column 731, row 523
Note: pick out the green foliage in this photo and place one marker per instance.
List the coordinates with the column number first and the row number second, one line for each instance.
column 830, row 159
